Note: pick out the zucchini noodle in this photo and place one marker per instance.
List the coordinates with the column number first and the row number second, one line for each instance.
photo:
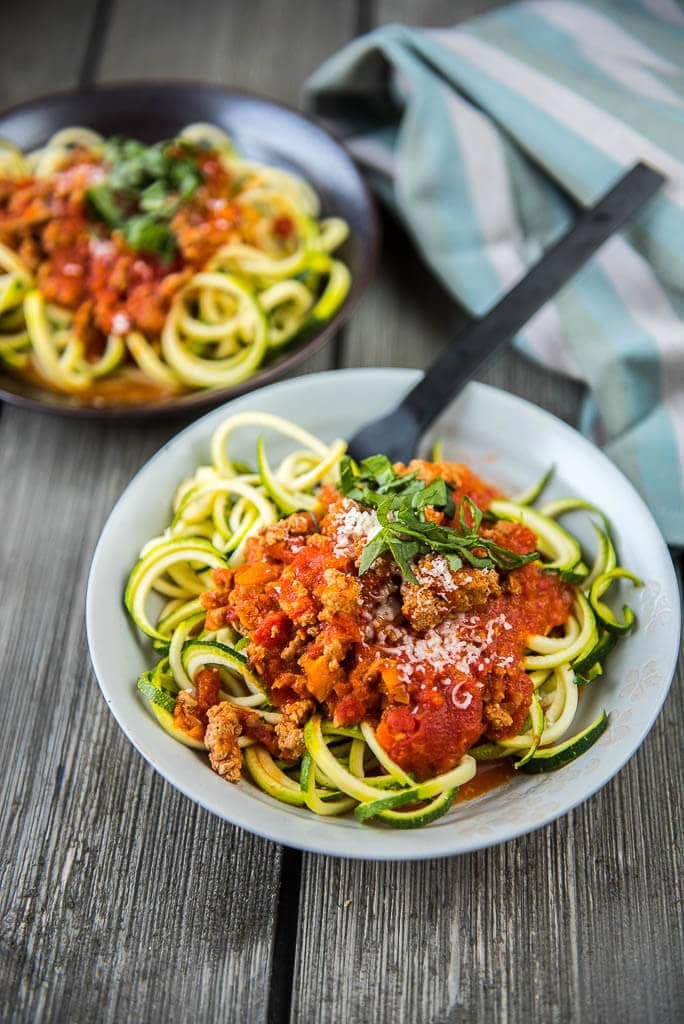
column 345, row 769
column 267, row 278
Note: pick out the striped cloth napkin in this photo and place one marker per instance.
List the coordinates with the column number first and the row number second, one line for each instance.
column 481, row 137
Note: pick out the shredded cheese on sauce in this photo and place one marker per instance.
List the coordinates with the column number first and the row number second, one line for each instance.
column 101, row 247
column 120, row 323
column 460, row 697
column 445, row 647
column 354, row 528
column 436, row 571
column 459, row 642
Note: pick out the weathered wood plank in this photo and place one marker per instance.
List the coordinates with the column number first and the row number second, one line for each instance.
column 42, row 47
column 432, row 12
column 266, row 46
column 120, row 899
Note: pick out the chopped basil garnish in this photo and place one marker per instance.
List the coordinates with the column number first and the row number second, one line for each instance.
column 104, row 206
column 150, row 235
column 405, row 533
column 145, row 186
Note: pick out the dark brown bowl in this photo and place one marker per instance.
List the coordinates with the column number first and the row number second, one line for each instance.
column 262, row 130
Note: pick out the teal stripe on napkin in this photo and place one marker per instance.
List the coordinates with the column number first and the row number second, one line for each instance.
column 484, row 136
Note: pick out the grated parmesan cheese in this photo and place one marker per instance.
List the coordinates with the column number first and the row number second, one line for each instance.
column 354, row 528
column 120, row 323
column 101, row 247
column 460, row 697
column 440, row 647
column 445, row 647
column 436, row 570
column 493, row 627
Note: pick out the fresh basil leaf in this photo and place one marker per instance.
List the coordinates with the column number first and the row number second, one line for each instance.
column 477, row 561
column 365, row 497
column 402, row 552
column 476, row 514
column 155, row 160
column 113, row 149
column 373, row 549
column 400, row 503
column 377, row 469
column 449, row 509
column 384, row 509
column 435, row 494
column 153, row 180
column 405, row 520
column 128, row 174
column 149, row 235
column 103, row 204
column 468, row 505
column 507, row 559
column 154, row 198
column 407, row 483
column 133, row 149
column 185, row 175
column 347, row 475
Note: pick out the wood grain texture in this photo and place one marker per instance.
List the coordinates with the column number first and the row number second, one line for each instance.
column 432, row 12
column 42, row 45
column 120, row 900
column 265, row 45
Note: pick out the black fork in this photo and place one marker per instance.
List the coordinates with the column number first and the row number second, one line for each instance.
column 397, row 434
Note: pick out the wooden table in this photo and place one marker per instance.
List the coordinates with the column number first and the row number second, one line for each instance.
column 122, row 901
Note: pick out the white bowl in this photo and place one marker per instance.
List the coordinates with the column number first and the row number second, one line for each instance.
column 510, row 442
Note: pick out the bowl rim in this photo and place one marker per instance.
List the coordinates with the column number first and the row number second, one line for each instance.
column 204, row 400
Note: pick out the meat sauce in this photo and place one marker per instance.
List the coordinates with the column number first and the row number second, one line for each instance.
column 435, row 666
column 82, row 266
column 78, row 263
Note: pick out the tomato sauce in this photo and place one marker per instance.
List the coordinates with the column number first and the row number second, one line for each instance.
column 88, row 269
column 490, row 775
column 435, row 665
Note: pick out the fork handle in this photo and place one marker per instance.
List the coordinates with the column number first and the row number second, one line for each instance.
column 478, row 342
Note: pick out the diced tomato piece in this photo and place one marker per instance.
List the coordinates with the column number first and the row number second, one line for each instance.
column 274, row 632
column 349, row 710
column 431, row 738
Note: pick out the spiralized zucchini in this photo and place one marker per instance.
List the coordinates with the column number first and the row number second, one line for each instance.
column 345, row 769
column 251, row 298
